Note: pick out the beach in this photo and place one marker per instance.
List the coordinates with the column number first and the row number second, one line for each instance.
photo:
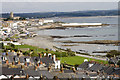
column 39, row 41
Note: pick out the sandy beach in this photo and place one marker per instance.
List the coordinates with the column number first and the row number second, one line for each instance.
column 39, row 41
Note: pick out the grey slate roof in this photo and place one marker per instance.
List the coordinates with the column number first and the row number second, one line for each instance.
column 96, row 67
column 84, row 65
column 109, row 70
column 11, row 71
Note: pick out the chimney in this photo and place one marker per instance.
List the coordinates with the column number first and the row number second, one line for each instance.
column 49, row 68
column 22, row 67
column 27, row 76
column 73, row 69
column 7, row 62
column 49, row 55
column 7, row 54
column 29, row 63
column 37, row 64
column 44, row 54
column 117, row 66
column 41, row 77
column 13, row 51
column 18, row 54
column 35, row 68
column 61, row 69
column 25, row 64
column 13, row 63
column 18, row 62
column 101, row 62
column 106, row 65
column 112, row 65
column 40, row 55
column 54, row 57
column 40, row 62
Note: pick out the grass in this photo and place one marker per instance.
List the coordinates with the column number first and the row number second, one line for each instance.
column 36, row 49
column 69, row 60
column 77, row 60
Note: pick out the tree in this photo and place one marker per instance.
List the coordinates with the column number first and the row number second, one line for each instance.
column 2, row 45
column 68, row 50
column 46, row 49
column 12, row 45
column 118, row 63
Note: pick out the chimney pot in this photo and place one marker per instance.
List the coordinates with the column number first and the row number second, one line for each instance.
column 22, row 67
column 7, row 62
column 61, row 69
column 13, row 63
column 40, row 62
column 44, row 54
column 38, row 65
column 116, row 66
column 27, row 76
column 35, row 68
column 40, row 55
column 18, row 62
column 73, row 69
column 25, row 63
column 29, row 63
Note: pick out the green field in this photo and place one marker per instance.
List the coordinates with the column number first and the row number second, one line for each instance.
column 72, row 60
column 77, row 60
column 37, row 50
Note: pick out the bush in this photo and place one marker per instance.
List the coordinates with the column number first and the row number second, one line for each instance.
column 26, row 53
column 112, row 53
column 46, row 49
column 118, row 63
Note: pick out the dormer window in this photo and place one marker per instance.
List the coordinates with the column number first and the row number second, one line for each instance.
column 27, row 60
column 4, row 58
column 16, row 59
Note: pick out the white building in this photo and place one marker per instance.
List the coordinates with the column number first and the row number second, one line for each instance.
column 48, row 21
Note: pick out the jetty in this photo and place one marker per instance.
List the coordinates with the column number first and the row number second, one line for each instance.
column 82, row 24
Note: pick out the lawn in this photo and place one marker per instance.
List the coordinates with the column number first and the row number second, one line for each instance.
column 77, row 60
column 37, row 50
column 69, row 60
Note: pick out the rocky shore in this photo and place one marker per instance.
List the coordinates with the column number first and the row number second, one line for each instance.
column 94, row 42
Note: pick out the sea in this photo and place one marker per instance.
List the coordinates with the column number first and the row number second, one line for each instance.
column 109, row 32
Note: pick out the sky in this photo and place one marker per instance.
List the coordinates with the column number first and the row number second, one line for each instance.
column 32, row 6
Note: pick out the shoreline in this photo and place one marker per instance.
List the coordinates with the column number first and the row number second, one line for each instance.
column 81, row 17
column 104, row 42
column 40, row 41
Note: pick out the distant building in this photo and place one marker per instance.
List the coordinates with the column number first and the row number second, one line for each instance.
column 11, row 15
column 16, row 17
column 48, row 21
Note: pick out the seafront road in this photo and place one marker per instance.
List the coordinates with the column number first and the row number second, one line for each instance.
column 98, row 58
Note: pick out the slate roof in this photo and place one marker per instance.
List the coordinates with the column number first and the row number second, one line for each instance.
column 45, row 60
column 96, row 67
column 68, row 71
column 11, row 71
column 32, row 72
column 116, row 71
column 84, row 65
column 109, row 70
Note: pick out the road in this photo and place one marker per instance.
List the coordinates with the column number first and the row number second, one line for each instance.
column 99, row 58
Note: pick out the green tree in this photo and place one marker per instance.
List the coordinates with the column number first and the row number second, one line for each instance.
column 12, row 45
column 2, row 45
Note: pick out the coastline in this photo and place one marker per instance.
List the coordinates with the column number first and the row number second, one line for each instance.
column 81, row 17
column 39, row 41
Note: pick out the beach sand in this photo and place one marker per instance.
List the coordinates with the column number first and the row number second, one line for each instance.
column 40, row 41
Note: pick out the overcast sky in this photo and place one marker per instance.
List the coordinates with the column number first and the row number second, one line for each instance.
column 29, row 6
